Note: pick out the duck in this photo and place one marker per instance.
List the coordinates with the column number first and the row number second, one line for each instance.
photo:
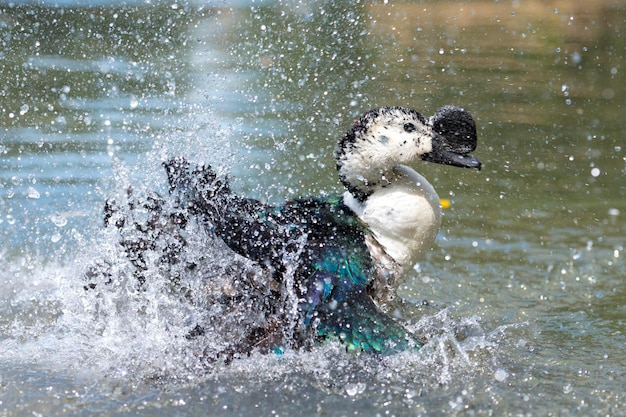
column 343, row 255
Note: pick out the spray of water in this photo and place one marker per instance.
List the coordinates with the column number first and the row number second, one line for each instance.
column 155, row 296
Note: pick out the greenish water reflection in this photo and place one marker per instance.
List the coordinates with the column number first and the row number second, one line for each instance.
column 68, row 62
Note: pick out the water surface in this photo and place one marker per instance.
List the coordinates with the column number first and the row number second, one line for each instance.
column 526, row 302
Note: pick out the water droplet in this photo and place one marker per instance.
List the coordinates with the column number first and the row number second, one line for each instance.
column 353, row 389
column 500, row 375
column 32, row 193
column 59, row 220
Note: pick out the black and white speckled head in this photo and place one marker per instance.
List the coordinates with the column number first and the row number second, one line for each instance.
column 388, row 136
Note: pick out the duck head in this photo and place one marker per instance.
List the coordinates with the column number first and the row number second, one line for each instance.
column 389, row 136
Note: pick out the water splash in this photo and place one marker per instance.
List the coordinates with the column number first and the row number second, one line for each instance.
column 150, row 300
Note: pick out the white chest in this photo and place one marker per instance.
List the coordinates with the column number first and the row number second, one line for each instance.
column 404, row 216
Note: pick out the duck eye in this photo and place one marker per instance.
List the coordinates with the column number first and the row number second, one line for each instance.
column 409, row 127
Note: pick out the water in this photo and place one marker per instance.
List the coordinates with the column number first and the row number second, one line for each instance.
column 525, row 312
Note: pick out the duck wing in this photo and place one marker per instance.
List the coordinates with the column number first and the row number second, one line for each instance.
column 338, row 305
column 336, row 269
column 360, row 325
column 249, row 227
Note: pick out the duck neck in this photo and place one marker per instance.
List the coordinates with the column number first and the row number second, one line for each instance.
column 362, row 186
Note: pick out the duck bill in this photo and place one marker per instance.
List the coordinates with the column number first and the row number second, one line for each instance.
column 452, row 158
